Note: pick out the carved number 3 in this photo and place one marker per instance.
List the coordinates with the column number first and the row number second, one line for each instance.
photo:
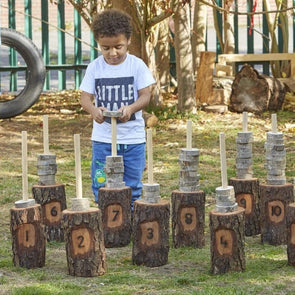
column 150, row 234
column 53, row 211
column 81, row 240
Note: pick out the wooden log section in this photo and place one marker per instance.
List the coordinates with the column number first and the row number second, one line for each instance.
column 150, row 233
column 85, row 248
column 52, row 199
column 247, row 196
column 188, row 219
column 28, row 239
column 274, row 200
column 115, row 205
column 290, row 221
column 227, row 231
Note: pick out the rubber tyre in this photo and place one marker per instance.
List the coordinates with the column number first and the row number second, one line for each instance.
column 34, row 78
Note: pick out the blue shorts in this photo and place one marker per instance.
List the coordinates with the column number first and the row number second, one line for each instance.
column 134, row 165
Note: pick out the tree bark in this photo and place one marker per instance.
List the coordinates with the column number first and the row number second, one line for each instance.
column 290, row 221
column 227, row 241
column 84, row 241
column 274, row 200
column 28, row 239
column 183, row 54
column 52, row 199
column 115, row 205
column 150, row 233
column 247, row 196
column 188, row 219
column 252, row 92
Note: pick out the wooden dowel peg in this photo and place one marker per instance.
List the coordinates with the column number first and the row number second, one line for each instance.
column 114, row 136
column 223, row 160
column 150, row 155
column 78, row 166
column 189, row 134
column 274, row 127
column 24, row 166
column 45, row 135
column 245, row 121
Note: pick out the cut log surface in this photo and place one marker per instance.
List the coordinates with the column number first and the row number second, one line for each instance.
column 227, row 241
column 150, row 233
column 274, row 200
column 247, row 196
column 188, row 219
column 28, row 239
column 290, row 221
column 256, row 93
column 84, row 241
column 115, row 205
column 52, row 199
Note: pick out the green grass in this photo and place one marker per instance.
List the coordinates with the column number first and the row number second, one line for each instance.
column 188, row 269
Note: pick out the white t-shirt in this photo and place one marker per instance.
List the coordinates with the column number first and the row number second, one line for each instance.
column 112, row 86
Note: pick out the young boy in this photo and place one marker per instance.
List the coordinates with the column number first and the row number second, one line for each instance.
column 116, row 80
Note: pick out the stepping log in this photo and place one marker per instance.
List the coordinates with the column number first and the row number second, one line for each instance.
column 227, row 241
column 151, row 233
column 28, row 239
column 274, row 200
column 52, row 199
column 290, row 221
column 116, row 217
column 84, row 242
column 188, row 219
column 247, row 196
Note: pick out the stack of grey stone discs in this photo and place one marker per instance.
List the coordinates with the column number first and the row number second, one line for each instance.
column 244, row 155
column 151, row 192
column 188, row 174
column 114, row 170
column 46, row 169
column 225, row 199
column 275, row 158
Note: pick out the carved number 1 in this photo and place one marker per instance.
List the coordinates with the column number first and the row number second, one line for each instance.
column 27, row 235
column 116, row 214
column 81, row 240
column 150, row 234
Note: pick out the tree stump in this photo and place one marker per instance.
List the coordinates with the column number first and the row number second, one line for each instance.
column 247, row 197
column 227, row 231
column 52, row 199
column 188, row 219
column 274, row 200
column 150, row 233
column 204, row 84
column 252, row 92
column 115, row 205
column 85, row 248
column 290, row 221
column 28, row 239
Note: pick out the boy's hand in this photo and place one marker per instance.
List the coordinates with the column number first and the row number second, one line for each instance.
column 97, row 114
column 126, row 113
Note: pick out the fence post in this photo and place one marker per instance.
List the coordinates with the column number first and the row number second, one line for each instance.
column 61, row 44
column 28, row 18
column 45, row 40
column 250, row 38
column 265, row 41
column 220, row 26
column 78, row 47
column 12, row 52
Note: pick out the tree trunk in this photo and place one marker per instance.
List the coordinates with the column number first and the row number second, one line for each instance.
column 227, row 241
column 274, row 200
column 183, row 54
column 229, row 40
column 252, row 92
column 199, row 33
column 290, row 220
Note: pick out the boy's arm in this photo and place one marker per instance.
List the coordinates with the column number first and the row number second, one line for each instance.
column 87, row 104
column 144, row 96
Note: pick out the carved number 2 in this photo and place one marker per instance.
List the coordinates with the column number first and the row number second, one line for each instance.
column 116, row 214
column 81, row 240
column 150, row 234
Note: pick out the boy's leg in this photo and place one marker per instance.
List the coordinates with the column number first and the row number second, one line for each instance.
column 134, row 164
column 99, row 152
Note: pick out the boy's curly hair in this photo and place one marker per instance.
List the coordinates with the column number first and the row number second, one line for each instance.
column 111, row 22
